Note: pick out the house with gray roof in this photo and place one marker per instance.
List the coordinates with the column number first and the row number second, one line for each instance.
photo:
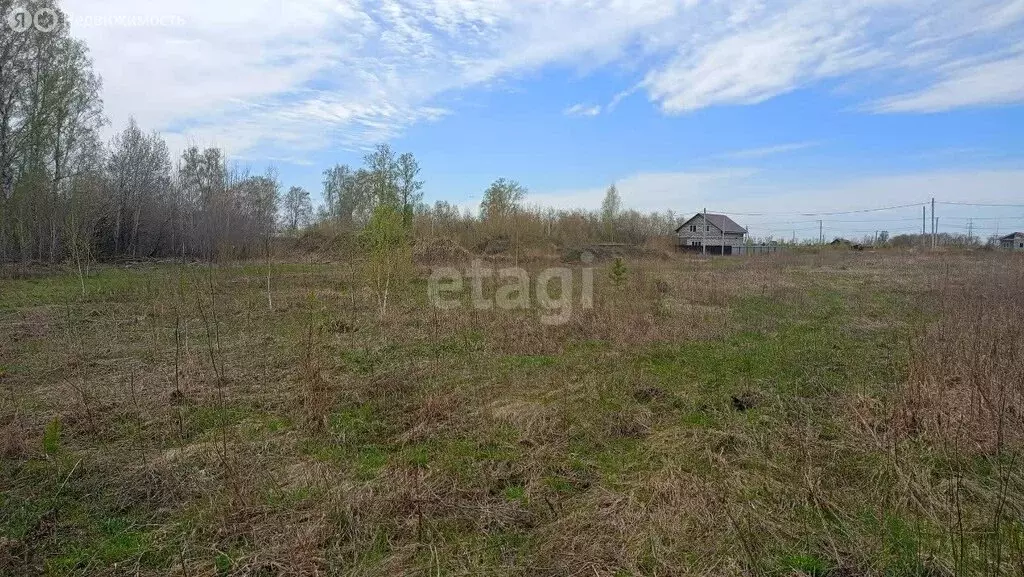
column 718, row 233
column 1012, row 241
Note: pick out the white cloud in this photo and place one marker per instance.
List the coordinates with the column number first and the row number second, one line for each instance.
column 797, row 43
column 303, row 75
column 619, row 97
column 985, row 84
column 768, row 150
column 582, row 110
column 747, row 64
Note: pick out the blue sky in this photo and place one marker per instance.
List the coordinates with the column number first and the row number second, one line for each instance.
column 745, row 106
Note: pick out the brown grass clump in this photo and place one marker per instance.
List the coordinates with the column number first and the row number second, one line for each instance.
column 536, row 422
column 966, row 380
column 651, row 528
column 15, row 438
column 435, row 250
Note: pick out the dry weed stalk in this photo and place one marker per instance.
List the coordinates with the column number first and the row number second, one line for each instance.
column 966, row 381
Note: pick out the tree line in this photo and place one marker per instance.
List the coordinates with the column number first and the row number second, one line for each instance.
column 66, row 194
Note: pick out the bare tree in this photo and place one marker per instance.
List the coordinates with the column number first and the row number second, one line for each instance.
column 610, row 208
column 501, row 199
column 347, row 195
column 298, row 210
column 409, row 188
column 382, row 169
column 139, row 170
column 49, row 117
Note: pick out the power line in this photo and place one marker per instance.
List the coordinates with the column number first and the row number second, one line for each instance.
column 1001, row 218
column 863, row 210
column 785, row 230
column 980, row 204
column 914, row 219
column 828, row 230
column 799, row 222
column 838, row 213
column 869, row 210
column 974, row 226
column 867, row 231
column 804, row 225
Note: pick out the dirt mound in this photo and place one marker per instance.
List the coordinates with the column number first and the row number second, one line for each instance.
column 607, row 251
column 497, row 245
column 321, row 240
column 439, row 250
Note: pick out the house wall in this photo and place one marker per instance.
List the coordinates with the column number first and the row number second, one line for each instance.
column 714, row 235
column 1014, row 244
column 712, row 240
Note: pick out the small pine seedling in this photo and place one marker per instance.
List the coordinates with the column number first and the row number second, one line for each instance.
column 618, row 272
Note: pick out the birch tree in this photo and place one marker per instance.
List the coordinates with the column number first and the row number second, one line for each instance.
column 409, row 187
column 298, row 210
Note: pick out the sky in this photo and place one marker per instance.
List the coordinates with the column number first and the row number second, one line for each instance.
column 764, row 110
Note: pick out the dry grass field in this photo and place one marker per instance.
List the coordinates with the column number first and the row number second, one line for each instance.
column 836, row 413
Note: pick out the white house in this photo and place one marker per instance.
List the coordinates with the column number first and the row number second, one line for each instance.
column 1013, row 241
column 719, row 233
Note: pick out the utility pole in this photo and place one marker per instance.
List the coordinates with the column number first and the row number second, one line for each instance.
column 924, row 217
column 704, row 237
column 934, row 222
column 821, row 233
column 970, row 231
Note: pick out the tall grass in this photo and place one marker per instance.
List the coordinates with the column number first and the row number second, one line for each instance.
column 964, row 398
column 966, row 380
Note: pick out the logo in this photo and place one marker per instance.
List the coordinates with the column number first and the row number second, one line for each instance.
column 44, row 20
column 20, row 20
column 47, row 20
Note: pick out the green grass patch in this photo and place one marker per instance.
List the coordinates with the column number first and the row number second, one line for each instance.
column 529, row 361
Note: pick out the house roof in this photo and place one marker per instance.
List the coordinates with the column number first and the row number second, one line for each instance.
column 722, row 222
column 1012, row 236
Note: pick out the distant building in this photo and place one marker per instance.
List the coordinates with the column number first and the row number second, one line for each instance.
column 1013, row 241
column 719, row 233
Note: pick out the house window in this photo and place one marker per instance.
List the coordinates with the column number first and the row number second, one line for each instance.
column 693, row 228
column 1022, row 245
column 707, row 229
